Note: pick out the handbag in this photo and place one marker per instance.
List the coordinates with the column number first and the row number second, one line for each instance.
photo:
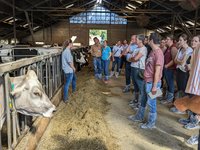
column 112, row 57
column 141, row 72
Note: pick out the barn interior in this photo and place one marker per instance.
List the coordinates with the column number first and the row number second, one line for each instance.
column 96, row 116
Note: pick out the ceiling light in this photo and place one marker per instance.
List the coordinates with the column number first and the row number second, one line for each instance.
column 11, row 21
column 130, row 5
column 68, row 6
column 35, row 28
column 99, row 1
column 168, row 27
column 25, row 25
column 190, row 22
column 139, row 2
column 8, row 19
column 129, row 8
column 184, row 24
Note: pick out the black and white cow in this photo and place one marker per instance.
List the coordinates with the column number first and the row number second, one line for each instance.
column 80, row 58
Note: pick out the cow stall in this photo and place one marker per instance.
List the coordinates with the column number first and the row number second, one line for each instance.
column 49, row 73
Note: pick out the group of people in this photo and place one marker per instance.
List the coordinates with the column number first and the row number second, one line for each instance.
column 151, row 64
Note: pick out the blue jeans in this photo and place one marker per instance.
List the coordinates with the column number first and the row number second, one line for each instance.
column 169, row 76
column 128, row 72
column 151, row 102
column 97, row 66
column 105, row 64
column 69, row 77
column 138, row 82
column 116, row 61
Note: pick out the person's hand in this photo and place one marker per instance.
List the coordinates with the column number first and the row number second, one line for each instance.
column 154, row 90
column 166, row 66
column 74, row 69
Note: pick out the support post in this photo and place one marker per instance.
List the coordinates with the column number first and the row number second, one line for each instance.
column 30, row 28
column 14, row 23
column 195, row 22
column 8, row 117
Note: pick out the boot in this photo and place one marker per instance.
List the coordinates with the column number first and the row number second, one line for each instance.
column 116, row 74
column 169, row 99
column 139, row 117
column 135, row 98
column 150, row 124
column 111, row 73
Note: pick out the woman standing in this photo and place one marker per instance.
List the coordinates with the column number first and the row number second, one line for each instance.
column 192, row 102
column 169, row 68
column 106, row 54
column 182, row 73
column 117, row 51
column 68, row 68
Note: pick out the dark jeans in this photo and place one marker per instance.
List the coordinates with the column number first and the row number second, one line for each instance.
column 116, row 62
column 169, row 76
column 69, row 78
column 182, row 78
column 97, row 66
column 138, row 82
column 128, row 72
column 123, row 61
column 105, row 64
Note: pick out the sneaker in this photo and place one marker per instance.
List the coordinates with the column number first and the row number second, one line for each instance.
column 192, row 126
column 184, row 121
column 126, row 89
column 147, row 126
column 134, row 119
column 193, row 140
column 165, row 102
column 112, row 73
column 133, row 105
column 133, row 101
column 176, row 111
column 116, row 74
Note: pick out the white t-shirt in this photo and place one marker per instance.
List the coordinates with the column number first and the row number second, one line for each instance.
column 141, row 62
column 180, row 56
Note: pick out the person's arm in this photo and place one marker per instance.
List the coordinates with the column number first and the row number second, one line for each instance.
column 156, row 79
column 136, row 57
column 91, row 50
column 72, row 66
column 173, row 53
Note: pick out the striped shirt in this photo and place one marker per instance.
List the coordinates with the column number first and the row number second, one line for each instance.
column 193, row 84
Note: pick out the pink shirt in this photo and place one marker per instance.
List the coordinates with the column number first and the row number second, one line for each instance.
column 156, row 57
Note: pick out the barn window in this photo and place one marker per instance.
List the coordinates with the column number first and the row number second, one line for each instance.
column 98, row 15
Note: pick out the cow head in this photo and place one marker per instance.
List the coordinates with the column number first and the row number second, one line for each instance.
column 29, row 96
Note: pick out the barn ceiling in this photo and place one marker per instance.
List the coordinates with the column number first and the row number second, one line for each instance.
column 164, row 15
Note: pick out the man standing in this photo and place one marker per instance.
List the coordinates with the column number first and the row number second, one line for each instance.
column 131, row 48
column 152, row 77
column 96, row 53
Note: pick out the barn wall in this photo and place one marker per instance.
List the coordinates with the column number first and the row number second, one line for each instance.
column 63, row 30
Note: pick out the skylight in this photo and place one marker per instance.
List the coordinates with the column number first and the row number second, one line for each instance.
column 98, row 15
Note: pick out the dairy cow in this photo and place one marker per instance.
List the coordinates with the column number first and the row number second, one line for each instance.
column 29, row 96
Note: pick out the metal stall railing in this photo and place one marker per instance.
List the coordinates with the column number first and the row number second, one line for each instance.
column 48, row 70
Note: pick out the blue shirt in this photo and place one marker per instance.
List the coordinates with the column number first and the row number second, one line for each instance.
column 106, row 53
column 66, row 59
column 133, row 47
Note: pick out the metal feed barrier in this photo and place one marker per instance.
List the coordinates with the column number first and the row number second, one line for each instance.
column 48, row 69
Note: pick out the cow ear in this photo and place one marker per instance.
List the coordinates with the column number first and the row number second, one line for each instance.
column 31, row 74
column 15, row 94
